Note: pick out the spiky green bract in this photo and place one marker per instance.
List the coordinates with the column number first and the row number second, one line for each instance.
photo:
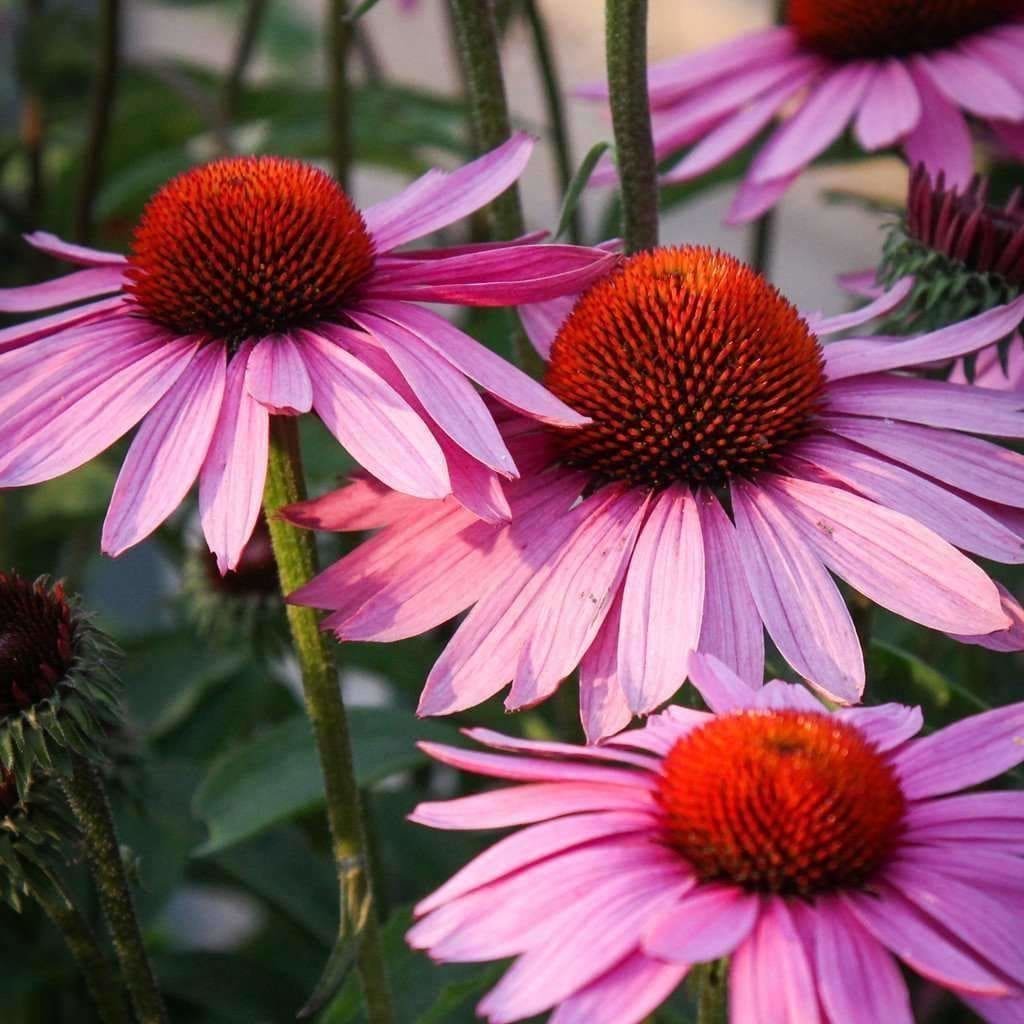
column 58, row 692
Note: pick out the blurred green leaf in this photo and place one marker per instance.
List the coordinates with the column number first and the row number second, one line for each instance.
column 892, row 666
column 281, row 766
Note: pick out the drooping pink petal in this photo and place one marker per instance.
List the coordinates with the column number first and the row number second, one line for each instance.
column 604, row 709
column 858, row 980
column 941, row 140
column 973, row 84
column 444, row 252
column 542, row 320
column 816, row 125
column 446, row 395
column 708, row 923
column 77, row 408
column 277, row 378
column 167, row 453
column 374, row 424
column 81, row 284
column 31, row 330
column 777, row 695
column 968, row 463
column 884, row 303
column 796, row 598
column 721, row 688
column 504, row 381
column 856, row 357
column 885, row 725
column 997, row 819
column 235, row 469
column 1009, row 1010
column 891, row 107
column 963, row 754
column 662, row 602
column 575, row 597
column 1006, row 641
column 997, row 53
column 914, row 938
column 438, row 199
column 889, row 557
column 731, row 629
column 552, row 748
column 626, row 994
column 362, row 504
column 71, row 253
column 770, row 975
column 754, row 198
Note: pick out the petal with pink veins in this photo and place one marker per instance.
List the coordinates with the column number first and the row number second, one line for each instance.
column 891, row 107
column 277, row 378
column 708, row 923
column 941, row 140
column 81, row 284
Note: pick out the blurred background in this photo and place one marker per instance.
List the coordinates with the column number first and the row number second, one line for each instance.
column 216, row 786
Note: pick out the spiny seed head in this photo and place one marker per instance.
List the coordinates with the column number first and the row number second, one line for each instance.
column 852, row 29
column 692, row 368
column 247, row 246
column 788, row 802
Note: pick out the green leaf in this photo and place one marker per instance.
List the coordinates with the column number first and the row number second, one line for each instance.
column 276, row 776
column 577, row 185
column 891, row 664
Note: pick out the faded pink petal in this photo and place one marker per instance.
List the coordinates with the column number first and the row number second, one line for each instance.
column 277, row 378
column 82, row 284
column 891, row 107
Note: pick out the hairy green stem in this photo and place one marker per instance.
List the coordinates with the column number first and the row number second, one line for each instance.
column 626, row 49
column 97, row 972
column 296, row 565
column 556, row 108
column 339, row 96
column 712, row 997
column 88, row 801
column 234, row 80
column 104, row 94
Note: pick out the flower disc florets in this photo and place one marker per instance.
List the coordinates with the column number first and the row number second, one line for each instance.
column 246, row 247
column 692, row 367
column 787, row 802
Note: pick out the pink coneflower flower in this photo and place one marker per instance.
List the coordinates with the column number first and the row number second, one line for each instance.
column 902, row 73
column 810, row 848
column 254, row 288
column 731, row 462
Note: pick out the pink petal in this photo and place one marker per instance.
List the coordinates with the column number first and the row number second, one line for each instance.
column 970, row 751
column 994, row 871
column 891, row 107
column 858, row 980
column 915, row 939
column 662, row 602
column 551, row 748
column 996, row 1011
column 777, row 695
column 438, row 199
column 626, row 994
column 731, row 629
column 537, row 801
column 46, row 326
column 277, row 377
column 754, row 198
column 542, row 321
column 951, row 516
column 82, row 284
column 54, row 246
column 362, row 504
column 709, row 923
column 231, row 480
column 941, row 141
column 796, row 598
column 995, row 820
column 770, row 975
column 892, row 559
column 374, row 424
column 575, row 596
column 508, row 384
column 886, row 726
column 721, row 688
column 604, row 709
column 1006, row 641
column 884, row 303
column 446, row 395
column 816, row 125
column 167, row 453
column 972, row 84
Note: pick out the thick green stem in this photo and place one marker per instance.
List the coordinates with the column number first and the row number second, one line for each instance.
column 626, row 49
column 97, row 972
column 556, row 108
column 296, row 564
column 104, row 93
column 88, row 801
column 339, row 96
column 712, row 997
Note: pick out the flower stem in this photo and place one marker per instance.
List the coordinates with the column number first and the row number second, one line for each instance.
column 88, row 801
column 339, row 97
column 96, row 969
column 626, row 49
column 104, row 93
column 296, row 564
column 252, row 22
column 762, row 239
column 556, row 109
column 712, row 998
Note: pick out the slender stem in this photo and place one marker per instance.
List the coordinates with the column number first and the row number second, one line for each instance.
column 339, row 97
column 476, row 36
column 104, row 93
column 626, row 46
column 89, row 803
column 712, row 1000
column 296, row 564
column 362, row 41
column 255, row 10
column 97, row 972
column 556, row 109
